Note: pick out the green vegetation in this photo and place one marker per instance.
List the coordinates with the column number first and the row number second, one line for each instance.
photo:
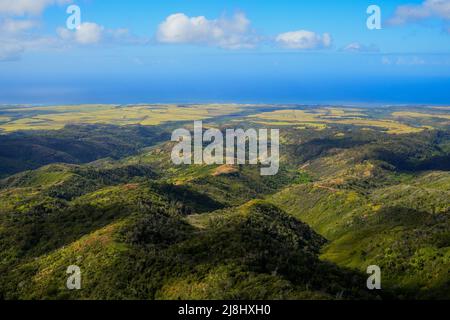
column 356, row 187
column 76, row 144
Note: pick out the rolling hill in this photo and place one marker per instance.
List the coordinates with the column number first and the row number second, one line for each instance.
column 108, row 199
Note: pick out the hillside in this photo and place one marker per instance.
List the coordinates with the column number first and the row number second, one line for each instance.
column 76, row 144
column 108, row 199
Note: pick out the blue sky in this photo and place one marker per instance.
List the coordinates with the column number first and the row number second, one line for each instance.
column 223, row 51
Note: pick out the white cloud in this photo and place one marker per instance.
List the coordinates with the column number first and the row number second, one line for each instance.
column 230, row 33
column 10, row 51
column 14, row 38
column 89, row 33
column 27, row 7
column 17, row 35
column 14, row 26
column 16, row 31
column 304, row 40
column 358, row 47
column 428, row 9
column 440, row 8
column 13, row 48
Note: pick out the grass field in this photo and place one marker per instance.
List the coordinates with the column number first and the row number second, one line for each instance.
column 397, row 121
column 320, row 118
column 405, row 114
column 51, row 118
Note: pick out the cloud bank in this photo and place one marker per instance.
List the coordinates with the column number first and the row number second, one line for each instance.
column 27, row 7
column 428, row 9
column 13, row 40
column 90, row 33
column 18, row 18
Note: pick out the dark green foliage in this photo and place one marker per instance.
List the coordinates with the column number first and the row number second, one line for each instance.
column 259, row 241
column 412, row 152
column 242, row 186
column 74, row 144
column 157, row 228
column 194, row 201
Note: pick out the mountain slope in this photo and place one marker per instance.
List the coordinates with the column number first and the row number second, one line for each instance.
column 252, row 252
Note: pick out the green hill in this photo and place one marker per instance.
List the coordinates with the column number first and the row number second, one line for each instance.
column 252, row 252
column 109, row 200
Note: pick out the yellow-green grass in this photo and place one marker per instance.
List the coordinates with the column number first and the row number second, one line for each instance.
column 392, row 127
column 341, row 112
column 404, row 114
column 321, row 117
column 58, row 117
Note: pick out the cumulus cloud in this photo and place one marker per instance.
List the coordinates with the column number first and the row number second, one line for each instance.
column 14, row 26
column 10, row 51
column 13, row 35
column 89, row 33
column 428, row 9
column 18, row 18
column 304, row 40
column 358, row 47
column 27, row 7
column 230, row 33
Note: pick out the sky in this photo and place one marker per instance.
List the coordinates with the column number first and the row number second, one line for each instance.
column 247, row 51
